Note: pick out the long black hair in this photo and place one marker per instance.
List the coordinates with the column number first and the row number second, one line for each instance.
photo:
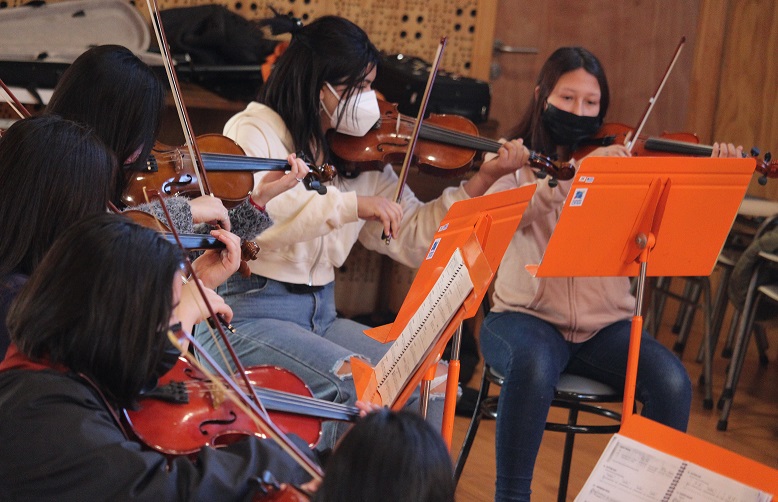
column 111, row 90
column 389, row 456
column 563, row 60
column 330, row 49
column 52, row 173
column 100, row 303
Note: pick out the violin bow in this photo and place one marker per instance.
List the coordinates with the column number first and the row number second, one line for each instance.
column 14, row 103
column 403, row 176
column 252, row 406
column 183, row 116
column 630, row 140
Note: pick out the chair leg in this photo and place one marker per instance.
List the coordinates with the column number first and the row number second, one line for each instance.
column 760, row 336
column 707, row 345
column 567, row 456
column 726, row 351
column 467, row 444
column 691, row 298
column 719, row 310
column 745, row 327
column 658, row 304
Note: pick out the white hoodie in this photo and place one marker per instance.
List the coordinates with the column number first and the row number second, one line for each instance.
column 312, row 234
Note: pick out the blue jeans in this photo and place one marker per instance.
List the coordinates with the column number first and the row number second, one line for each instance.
column 532, row 353
column 302, row 333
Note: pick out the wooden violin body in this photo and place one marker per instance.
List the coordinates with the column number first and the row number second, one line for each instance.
column 187, row 411
column 170, row 171
column 388, row 142
column 447, row 146
column 230, row 172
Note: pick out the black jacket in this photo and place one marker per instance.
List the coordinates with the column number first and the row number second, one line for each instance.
column 60, row 442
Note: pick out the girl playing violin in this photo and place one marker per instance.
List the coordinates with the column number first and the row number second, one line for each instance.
column 82, row 350
column 323, row 82
column 52, row 173
column 111, row 90
column 540, row 327
column 45, row 190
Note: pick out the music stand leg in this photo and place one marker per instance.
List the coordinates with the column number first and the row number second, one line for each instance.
column 636, row 330
column 452, row 388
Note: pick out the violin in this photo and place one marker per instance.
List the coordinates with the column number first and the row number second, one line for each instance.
column 667, row 144
column 447, row 146
column 186, row 411
column 249, row 404
column 230, row 172
column 191, row 242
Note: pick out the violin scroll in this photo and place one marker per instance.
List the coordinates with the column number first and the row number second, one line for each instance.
column 765, row 166
column 317, row 176
column 543, row 166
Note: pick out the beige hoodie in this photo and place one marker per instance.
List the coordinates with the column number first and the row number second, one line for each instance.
column 312, row 234
column 577, row 306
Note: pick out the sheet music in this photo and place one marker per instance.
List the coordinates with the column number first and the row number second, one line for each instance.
column 421, row 332
column 630, row 470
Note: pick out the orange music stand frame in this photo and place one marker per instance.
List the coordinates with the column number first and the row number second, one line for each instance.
column 665, row 216
column 481, row 228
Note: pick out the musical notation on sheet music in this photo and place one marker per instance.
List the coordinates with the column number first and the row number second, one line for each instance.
column 421, row 332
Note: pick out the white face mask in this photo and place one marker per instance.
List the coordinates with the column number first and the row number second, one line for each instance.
column 359, row 113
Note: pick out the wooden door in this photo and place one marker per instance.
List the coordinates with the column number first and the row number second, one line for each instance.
column 634, row 39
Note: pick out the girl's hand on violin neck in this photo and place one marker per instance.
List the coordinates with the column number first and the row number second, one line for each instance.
column 207, row 209
column 726, row 150
column 374, row 207
column 191, row 309
column 615, row 150
column 511, row 156
column 214, row 266
column 275, row 183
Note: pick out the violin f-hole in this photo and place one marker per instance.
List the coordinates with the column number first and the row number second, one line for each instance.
column 216, row 421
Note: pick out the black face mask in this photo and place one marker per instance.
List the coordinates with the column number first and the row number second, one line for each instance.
column 568, row 129
column 170, row 355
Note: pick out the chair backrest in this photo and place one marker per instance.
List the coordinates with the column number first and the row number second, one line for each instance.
column 765, row 239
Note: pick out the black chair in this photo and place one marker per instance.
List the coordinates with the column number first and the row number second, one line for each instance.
column 757, row 292
column 575, row 393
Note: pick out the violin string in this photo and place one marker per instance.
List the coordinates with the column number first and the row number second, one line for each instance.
column 456, row 137
column 283, row 396
column 225, row 158
column 251, row 409
column 290, row 396
column 482, row 143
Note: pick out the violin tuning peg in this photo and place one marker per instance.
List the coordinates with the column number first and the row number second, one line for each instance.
column 754, row 151
column 762, row 180
column 553, row 182
column 768, row 157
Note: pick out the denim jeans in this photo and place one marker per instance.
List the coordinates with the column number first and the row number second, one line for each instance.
column 532, row 353
column 302, row 333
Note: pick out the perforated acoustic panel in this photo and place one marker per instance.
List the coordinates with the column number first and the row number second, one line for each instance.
column 395, row 26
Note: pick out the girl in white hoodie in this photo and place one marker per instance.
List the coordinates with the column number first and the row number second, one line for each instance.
column 284, row 313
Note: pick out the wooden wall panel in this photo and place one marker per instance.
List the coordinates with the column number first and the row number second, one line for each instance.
column 737, row 77
column 634, row 40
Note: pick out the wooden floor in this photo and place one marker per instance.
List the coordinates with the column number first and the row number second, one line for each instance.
column 752, row 431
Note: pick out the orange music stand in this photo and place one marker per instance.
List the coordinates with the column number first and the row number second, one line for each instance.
column 645, row 216
column 481, row 229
